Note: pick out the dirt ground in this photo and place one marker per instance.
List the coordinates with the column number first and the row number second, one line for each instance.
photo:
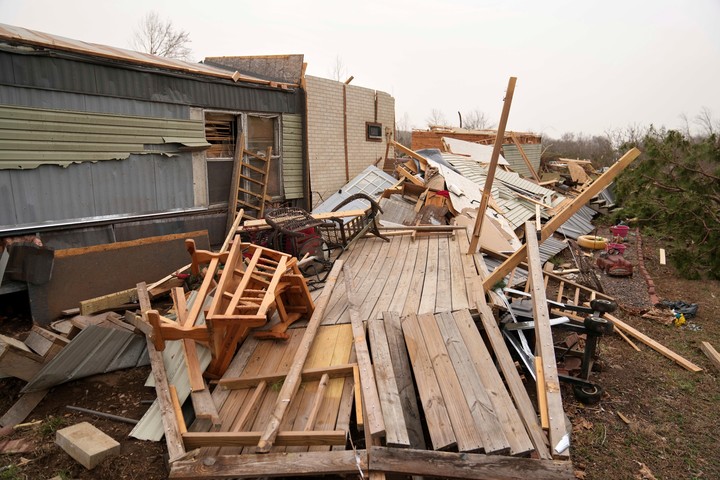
column 655, row 421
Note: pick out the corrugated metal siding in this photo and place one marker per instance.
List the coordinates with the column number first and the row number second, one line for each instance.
column 292, row 155
column 140, row 184
column 512, row 155
column 52, row 73
column 30, row 137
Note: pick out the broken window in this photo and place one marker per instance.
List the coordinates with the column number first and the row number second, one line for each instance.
column 222, row 131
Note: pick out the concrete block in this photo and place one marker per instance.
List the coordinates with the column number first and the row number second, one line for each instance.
column 86, row 444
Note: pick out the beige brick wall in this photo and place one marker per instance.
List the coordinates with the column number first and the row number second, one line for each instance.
column 326, row 143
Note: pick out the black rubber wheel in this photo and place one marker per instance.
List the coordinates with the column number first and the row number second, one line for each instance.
column 598, row 325
column 588, row 394
column 602, row 305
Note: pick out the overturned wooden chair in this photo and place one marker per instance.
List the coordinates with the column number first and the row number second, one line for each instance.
column 246, row 296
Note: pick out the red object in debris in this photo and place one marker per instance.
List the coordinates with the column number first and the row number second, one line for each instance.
column 618, row 248
column 615, row 265
column 620, row 230
column 443, row 193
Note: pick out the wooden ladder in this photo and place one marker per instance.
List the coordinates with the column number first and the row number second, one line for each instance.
column 249, row 183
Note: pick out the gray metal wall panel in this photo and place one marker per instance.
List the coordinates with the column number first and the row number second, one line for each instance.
column 126, row 186
column 7, row 202
column 174, row 182
column 53, row 193
column 132, row 82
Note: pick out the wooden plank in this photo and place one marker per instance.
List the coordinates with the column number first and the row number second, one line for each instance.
column 403, row 285
column 247, row 439
column 559, row 219
column 484, row 412
column 109, row 301
column 272, row 464
column 412, row 301
column 396, row 434
column 437, row 418
column 467, row 432
column 429, row 287
column 171, row 427
column 346, row 402
column 371, row 400
column 711, row 353
column 383, row 287
column 662, row 256
column 22, row 408
column 249, row 224
column 492, row 168
column 468, row 338
column 403, row 379
column 512, row 379
column 541, row 394
column 658, row 347
column 459, row 299
column 443, row 297
column 627, row 339
column 177, row 409
column 544, row 342
column 468, row 465
column 292, row 381
column 396, row 264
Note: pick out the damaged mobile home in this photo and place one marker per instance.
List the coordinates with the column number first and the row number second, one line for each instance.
column 354, row 321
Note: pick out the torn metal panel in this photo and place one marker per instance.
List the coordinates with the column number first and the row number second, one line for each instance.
column 94, row 350
column 277, row 68
column 372, row 181
column 473, row 151
column 26, row 36
column 578, row 224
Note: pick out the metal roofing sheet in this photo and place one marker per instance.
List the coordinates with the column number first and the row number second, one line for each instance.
column 31, row 37
column 94, row 350
column 292, row 156
column 372, row 181
column 514, row 158
column 472, row 151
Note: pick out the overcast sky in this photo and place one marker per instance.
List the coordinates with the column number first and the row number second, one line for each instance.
column 582, row 66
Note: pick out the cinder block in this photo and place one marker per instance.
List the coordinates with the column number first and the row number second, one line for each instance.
column 86, row 444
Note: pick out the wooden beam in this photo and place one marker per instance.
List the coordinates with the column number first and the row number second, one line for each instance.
column 711, row 353
column 661, row 349
column 173, row 438
column 558, row 220
column 524, row 157
column 371, row 399
column 249, row 439
column 487, row 189
column 294, row 376
column 106, row 302
column 235, row 179
column 410, row 153
column 545, row 348
column 466, row 465
column 285, row 464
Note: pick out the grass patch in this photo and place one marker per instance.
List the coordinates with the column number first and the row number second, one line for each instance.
column 50, row 426
column 11, row 472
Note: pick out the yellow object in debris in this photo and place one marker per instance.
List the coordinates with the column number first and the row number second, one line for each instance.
column 592, row 242
column 679, row 320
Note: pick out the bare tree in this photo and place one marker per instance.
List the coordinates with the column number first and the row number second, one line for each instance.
column 477, row 120
column 338, row 71
column 705, row 121
column 159, row 37
column 436, row 118
column 403, row 130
